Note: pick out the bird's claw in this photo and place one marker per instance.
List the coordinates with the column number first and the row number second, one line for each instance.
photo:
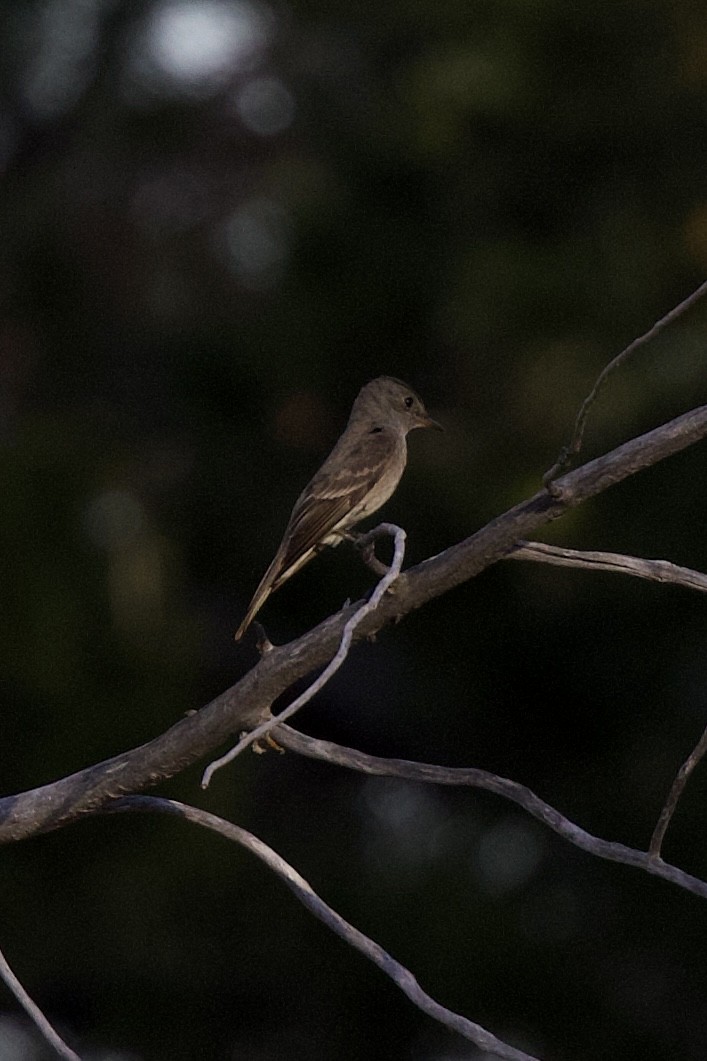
column 265, row 744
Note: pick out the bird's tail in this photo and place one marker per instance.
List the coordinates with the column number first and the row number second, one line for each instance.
column 284, row 566
column 261, row 594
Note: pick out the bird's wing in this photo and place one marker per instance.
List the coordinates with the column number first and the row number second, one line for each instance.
column 339, row 486
column 348, row 474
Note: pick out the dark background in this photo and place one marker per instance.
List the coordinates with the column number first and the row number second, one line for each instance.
column 219, row 219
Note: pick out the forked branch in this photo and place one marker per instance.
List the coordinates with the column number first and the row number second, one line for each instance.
column 471, row 777
column 247, row 703
column 246, row 706
column 575, row 444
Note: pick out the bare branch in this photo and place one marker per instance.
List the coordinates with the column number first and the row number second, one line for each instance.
column 301, row 888
column 248, row 702
column 365, row 609
column 34, row 1012
column 674, row 795
column 511, row 790
column 366, row 545
column 575, row 444
column 616, row 563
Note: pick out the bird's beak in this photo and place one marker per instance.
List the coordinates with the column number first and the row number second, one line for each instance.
column 427, row 421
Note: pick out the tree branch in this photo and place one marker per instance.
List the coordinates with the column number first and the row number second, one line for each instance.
column 34, row 1012
column 575, row 443
column 501, row 786
column 675, row 793
column 248, row 702
column 301, row 888
column 616, row 563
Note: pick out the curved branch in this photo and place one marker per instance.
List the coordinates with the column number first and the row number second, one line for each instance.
column 247, row 703
column 303, row 890
column 501, row 786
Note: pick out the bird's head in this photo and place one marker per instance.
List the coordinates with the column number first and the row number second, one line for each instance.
column 392, row 403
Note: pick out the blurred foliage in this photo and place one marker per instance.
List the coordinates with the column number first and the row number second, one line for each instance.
column 219, row 219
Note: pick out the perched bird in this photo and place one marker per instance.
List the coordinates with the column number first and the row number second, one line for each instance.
column 358, row 476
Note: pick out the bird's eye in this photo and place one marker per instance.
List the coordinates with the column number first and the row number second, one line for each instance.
column 409, row 402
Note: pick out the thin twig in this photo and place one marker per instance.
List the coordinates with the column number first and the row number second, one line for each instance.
column 674, row 795
column 571, row 450
column 344, row 645
column 303, row 890
column 34, row 1012
column 501, row 786
column 616, row 563
column 366, row 545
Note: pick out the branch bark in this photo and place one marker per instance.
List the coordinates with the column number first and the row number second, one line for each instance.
column 614, row 563
column 676, row 791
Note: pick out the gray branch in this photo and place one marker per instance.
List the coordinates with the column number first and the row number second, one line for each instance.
column 247, row 704
column 575, row 443
column 303, row 890
column 676, row 791
column 649, row 861
column 615, row 563
column 34, row 1012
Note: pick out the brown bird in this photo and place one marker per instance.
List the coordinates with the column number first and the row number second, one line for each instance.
column 358, row 476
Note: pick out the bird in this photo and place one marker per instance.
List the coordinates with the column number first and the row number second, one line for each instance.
column 358, row 476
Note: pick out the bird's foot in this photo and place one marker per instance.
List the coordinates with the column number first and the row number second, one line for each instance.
column 366, row 546
column 265, row 744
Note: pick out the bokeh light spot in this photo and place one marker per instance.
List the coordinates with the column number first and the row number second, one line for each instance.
column 257, row 241
column 508, row 854
column 113, row 518
column 194, row 47
column 63, row 38
column 266, row 106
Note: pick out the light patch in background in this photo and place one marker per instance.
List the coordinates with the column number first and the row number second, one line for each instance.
column 18, row 1043
column 257, row 242
column 265, row 106
column 427, row 1046
column 507, row 855
column 62, row 38
column 406, row 820
column 139, row 561
column 113, row 519
column 194, row 47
